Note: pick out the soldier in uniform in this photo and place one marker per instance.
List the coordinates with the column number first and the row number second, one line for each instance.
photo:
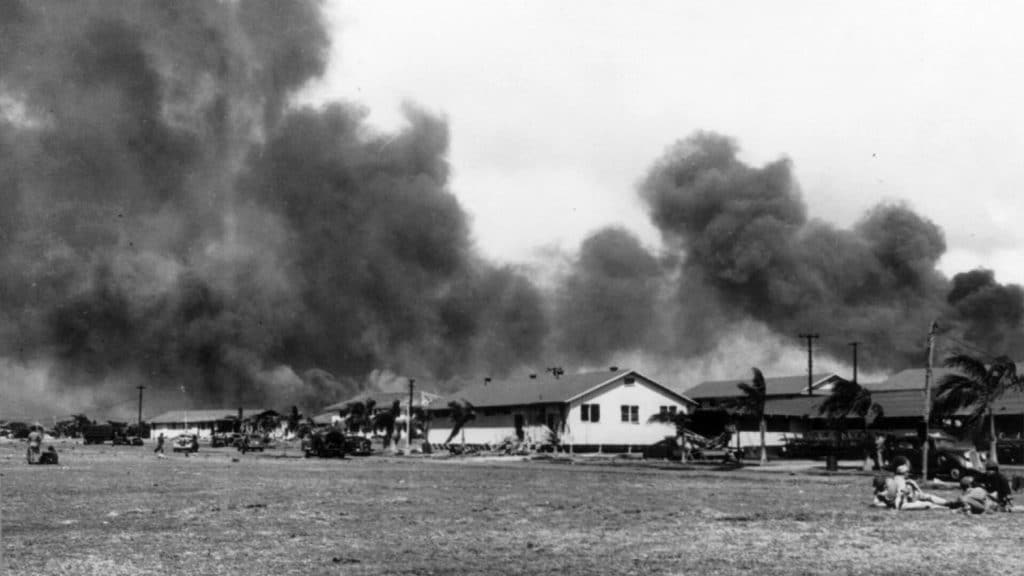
column 35, row 442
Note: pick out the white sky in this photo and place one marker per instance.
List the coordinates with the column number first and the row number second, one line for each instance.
column 558, row 108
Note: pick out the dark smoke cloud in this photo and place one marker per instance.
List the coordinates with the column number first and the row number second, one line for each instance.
column 990, row 314
column 749, row 245
column 608, row 303
column 169, row 219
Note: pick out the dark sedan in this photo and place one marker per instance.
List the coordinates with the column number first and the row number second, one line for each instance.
column 946, row 456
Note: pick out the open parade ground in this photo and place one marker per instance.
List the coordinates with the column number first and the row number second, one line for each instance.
column 121, row 510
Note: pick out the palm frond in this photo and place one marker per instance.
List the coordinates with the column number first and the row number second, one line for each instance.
column 968, row 366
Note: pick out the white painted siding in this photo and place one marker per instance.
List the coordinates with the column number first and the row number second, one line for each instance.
column 173, row 430
column 610, row 429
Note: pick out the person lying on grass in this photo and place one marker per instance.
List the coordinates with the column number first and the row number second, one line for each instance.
column 899, row 493
column 973, row 498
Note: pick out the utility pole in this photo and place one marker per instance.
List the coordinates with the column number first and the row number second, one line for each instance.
column 141, row 388
column 408, row 422
column 928, row 399
column 810, row 361
column 854, row 345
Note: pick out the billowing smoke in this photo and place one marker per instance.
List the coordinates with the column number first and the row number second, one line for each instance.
column 171, row 220
column 749, row 248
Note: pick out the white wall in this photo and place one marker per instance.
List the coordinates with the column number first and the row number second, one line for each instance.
column 611, row 429
column 173, row 430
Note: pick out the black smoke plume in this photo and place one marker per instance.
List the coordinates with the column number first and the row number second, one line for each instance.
column 170, row 220
column 745, row 237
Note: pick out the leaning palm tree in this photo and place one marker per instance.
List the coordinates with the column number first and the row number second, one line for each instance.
column 460, row 415
column 751, row 403
column 976, row 388
column 847, row 399
column 681, row 420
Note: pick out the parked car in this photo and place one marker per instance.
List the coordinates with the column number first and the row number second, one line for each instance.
column 946, row 456
column 186, row 443
column 253, row 443
column 225, row 439
column 331, row 442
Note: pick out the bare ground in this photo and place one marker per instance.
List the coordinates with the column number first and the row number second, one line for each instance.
column 123, row 511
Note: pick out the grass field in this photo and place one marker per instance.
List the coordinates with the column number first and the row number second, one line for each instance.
column 122, row 511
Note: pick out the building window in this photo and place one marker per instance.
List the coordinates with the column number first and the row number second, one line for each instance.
column 667, row 410
column 590, row 412
column 629, row 380
column 631, row 414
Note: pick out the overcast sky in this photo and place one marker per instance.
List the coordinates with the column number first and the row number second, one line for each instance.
column 558, row 108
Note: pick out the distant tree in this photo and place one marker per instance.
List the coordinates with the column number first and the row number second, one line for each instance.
column 681, row 420
column 461, row 413
column 752, row 403
column 359, row 416
column 976, row 388
column 850, row 398
column 293, row 420
column 384, row 421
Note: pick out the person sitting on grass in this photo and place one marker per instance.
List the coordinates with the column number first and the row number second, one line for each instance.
column 973, row 499
column 899, row 493
column 998, row 487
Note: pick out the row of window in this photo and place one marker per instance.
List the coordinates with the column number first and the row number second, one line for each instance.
column 627, row 412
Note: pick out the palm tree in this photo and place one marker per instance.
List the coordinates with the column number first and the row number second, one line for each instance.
column 421, row 417
column 976, row 388
column 681, row 420
column 850, row 398
column 460, row 415
column 385, row 421
column 751, row 403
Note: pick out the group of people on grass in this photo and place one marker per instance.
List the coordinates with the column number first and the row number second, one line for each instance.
column 988, row 493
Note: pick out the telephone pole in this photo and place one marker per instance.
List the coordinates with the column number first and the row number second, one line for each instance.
column 810, row 361
column 854, row 345
column 141, row 388
column 928, row 399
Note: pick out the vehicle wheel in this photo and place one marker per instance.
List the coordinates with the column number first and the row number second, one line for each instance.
column 956, row 473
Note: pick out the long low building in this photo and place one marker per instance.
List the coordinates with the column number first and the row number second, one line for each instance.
column 201, row 422
column 593, row 410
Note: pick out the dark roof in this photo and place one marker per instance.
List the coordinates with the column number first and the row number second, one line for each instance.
column 546, row 389
column 781, row 386
column 210, row 415
column 385, row 399
column 798, row 406
column 913, row 379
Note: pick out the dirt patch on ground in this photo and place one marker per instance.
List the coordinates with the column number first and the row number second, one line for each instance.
column 123, row 511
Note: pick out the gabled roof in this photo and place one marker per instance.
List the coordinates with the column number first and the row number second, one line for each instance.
column 385, row 399
column 781, row 386
column 546, row 389
column 913, row 379
column 211, row 415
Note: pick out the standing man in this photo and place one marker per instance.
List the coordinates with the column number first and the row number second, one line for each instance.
column 35, row 442
column 159, row 450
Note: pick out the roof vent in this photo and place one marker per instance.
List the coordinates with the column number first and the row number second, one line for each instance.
column 533, row 376
column 614, row 368
column 487, row 381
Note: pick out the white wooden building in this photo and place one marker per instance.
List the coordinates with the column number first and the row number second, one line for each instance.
column 589, row 410
column 201, row 422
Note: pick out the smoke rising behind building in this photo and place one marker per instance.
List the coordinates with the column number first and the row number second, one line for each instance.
column 170, row 219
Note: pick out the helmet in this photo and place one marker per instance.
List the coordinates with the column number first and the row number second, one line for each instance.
column 991, row 465
column 967, row 482
column 903, row 469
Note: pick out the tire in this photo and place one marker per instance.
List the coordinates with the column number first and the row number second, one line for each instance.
column 956, row 473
